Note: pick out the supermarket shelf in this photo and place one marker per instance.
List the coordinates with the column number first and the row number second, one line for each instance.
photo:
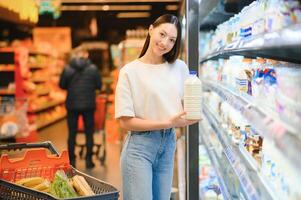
column 34, row 52
column 248, row 158
column 248, row 175
column 263, row 120
column 234, row 161
column 8, row 15
column 7, row 69
column 213, row 158
column 7, row 92
column 282, row 45
column 46, row 106
column 47, row 123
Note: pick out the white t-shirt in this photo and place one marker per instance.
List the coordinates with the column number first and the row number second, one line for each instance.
column 148, row 91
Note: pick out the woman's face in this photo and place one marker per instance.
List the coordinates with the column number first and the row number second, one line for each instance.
column 162, row 38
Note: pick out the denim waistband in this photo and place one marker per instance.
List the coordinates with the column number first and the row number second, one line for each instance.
column 169, row 130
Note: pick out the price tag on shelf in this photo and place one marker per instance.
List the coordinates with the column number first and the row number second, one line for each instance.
column 230, row 155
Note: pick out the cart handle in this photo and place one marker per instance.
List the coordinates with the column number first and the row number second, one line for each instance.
column 20, row 146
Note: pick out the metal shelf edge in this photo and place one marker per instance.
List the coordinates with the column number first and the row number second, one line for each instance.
column 213, row 158
column 237, row 166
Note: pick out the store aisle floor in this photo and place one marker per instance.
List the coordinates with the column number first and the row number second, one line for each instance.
column 57, row 134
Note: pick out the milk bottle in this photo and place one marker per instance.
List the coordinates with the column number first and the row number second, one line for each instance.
column 192, row 96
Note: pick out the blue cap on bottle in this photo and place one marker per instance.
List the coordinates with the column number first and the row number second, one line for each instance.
column 191, row 72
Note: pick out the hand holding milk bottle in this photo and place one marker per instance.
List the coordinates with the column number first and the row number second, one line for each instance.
column 192, row 96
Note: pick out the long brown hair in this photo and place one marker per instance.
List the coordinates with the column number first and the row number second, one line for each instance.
column 173, row 54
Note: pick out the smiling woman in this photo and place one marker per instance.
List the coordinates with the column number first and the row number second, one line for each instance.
column 166, row 32
column 148, row 104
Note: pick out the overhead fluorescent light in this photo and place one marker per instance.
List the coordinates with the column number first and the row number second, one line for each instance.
column 171, row 7
column 105, row 8
column 116, row 1
column 133, row 15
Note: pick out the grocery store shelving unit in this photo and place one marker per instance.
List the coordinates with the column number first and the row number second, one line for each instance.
column 7, row 73
column 213, row 156
column 41, row 124
column 279, row 45
column 42, row 113
column 284, row 45
column 265, row 121
column 251, row 181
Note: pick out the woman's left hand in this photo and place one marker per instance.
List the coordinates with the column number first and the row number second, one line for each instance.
column 179, row 120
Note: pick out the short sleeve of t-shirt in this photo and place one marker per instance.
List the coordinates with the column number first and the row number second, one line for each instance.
column 123, row 99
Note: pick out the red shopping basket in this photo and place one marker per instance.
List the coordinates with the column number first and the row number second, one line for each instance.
column 36, row 162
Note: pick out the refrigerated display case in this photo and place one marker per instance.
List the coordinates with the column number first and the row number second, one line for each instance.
column 250, row 70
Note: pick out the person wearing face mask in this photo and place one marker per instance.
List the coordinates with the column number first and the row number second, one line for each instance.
column 148, row 103
column 81, row 79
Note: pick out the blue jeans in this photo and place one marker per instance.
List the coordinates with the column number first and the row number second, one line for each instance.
column 147, row 161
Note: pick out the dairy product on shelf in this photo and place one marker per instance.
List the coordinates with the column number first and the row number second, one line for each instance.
column 243, row 76
column 261, row 16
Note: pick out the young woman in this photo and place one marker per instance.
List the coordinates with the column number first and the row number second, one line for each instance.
column 148, row 104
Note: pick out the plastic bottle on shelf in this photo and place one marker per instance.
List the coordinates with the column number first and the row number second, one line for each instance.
column 235, row 66
column 259, row 23
column 257, row 80
column 270, row 83
column 192, row 96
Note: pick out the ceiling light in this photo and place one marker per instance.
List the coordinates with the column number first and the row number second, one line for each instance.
column 105, row 8
column 116, row 1
column 133, row 15
column 171, row 7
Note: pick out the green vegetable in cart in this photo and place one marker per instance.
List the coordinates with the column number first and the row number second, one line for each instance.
column 61, row 187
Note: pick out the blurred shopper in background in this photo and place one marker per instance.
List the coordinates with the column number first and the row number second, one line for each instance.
column 81, row 79
column 148, row 104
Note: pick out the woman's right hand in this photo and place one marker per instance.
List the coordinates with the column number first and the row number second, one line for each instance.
column 179, row 121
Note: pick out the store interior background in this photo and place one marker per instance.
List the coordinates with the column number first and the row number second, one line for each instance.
column 34, row 48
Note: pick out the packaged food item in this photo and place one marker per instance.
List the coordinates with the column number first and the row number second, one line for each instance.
column 279, row 14
column 258, row 26
column 235, row 66
column 257, row 80
column 242, row 78
column 289, row 76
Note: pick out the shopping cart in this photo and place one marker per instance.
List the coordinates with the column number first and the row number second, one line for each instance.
column 36, row 162
column 99, row 148
column 13, row 117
